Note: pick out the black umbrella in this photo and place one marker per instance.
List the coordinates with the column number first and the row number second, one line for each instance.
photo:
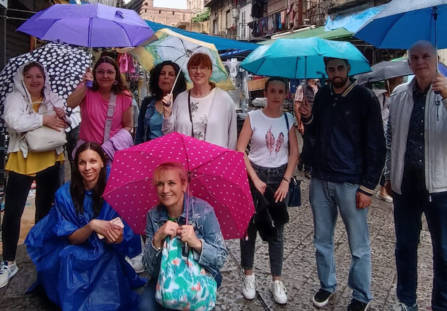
column 384, row 71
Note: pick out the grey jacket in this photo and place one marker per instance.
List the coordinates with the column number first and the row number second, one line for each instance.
column 435, row 138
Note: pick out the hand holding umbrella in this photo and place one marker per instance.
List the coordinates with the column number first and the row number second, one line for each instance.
column 440, row 85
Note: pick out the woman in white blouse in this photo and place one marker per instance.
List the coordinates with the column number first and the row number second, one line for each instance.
column 205, row 111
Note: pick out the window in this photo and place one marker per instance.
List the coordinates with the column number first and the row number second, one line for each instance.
column 173, row 12
column 228, row 19
column 243, row 26
column 215, row 26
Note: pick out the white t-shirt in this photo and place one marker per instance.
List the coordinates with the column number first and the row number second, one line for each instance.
column 200, row 108
column 268, row 144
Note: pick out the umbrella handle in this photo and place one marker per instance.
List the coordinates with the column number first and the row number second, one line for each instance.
column 175, row 81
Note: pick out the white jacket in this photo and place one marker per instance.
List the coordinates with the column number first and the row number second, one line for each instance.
column 19, row 115
column 222, row 127
column 435, row 138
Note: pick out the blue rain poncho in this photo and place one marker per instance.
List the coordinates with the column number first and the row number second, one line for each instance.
column 89, row 276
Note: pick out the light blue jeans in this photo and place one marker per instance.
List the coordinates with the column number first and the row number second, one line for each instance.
column 327, row 198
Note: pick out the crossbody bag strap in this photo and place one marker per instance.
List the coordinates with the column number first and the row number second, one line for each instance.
column 110, row 111
column 190, row 113
column 287, row 124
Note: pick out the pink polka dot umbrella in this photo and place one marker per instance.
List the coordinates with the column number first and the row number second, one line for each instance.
column 217, row 175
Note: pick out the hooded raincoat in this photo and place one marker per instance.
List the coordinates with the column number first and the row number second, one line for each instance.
column 90, row 276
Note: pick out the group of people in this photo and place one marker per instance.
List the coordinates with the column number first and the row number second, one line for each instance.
column 79, row 246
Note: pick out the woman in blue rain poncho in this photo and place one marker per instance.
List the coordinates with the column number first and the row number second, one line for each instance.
column 79, row 248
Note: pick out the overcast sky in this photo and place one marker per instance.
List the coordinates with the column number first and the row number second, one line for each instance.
column 179, row 4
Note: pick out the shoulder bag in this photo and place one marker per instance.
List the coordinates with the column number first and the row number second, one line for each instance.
column 295, row 184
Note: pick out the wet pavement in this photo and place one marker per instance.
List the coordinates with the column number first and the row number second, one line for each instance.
column 299, row 270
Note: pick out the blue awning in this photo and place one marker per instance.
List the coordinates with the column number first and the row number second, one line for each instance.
column 219, row 42
column 352, row 22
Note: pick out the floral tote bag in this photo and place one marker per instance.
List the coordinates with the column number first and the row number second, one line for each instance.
column 182, row 282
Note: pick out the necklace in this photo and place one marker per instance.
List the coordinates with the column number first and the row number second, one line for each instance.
column 174, row 219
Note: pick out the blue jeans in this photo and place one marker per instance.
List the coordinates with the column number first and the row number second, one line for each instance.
column 408, row 209
column 327, row 198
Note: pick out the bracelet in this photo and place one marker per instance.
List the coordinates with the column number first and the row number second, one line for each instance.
column 156, row 248
column 284, row 178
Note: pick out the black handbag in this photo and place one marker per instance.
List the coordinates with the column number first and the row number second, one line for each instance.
column 294, row 196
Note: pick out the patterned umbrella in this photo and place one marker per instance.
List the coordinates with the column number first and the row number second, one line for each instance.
column 217, row 175
column 65, row 66
column 179, row 48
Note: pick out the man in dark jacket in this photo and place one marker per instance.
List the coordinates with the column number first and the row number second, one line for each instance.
column 348, row 158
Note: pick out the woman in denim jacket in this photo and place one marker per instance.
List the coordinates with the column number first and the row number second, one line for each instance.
column 202, row 233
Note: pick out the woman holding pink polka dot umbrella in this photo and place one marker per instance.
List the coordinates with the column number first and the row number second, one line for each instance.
column 216, row 175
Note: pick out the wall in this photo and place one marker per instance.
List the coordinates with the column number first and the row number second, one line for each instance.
column 274, row 6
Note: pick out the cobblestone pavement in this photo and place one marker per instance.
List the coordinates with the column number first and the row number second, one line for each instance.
column 299, row 270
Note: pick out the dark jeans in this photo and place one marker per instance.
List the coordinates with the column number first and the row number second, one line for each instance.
column 408, row 209
column 147, row 298
column 272, row 177
column 17, row 189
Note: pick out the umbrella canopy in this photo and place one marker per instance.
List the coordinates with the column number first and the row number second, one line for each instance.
column 302, row 58
column 217, row 175
column 403, row 22
column 178, row 48
column 64, row 64
column 385, row 70
column 90, row 25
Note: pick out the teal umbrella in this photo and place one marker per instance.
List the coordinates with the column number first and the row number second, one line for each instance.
column 302, row 58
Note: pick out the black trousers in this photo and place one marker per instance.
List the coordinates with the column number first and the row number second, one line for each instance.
column 17, row 189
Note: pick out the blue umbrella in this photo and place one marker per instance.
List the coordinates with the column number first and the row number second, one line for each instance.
column 302, row 58
column 403, row 22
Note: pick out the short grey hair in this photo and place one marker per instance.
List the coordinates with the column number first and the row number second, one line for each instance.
column 426, row 45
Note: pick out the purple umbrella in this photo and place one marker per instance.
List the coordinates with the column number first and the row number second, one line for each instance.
column 90, row 25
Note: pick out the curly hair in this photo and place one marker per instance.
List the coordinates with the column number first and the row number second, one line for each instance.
column 118, row 85
column 77, row 188
column 179, row 86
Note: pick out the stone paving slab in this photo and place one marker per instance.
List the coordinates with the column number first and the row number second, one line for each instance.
column 299, row 270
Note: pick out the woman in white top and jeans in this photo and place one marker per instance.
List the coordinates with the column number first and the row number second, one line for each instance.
column 270, row 165
column 205, row 112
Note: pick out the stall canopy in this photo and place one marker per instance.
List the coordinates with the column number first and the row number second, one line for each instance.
column 352, row 22
column 220, row 43
column 320, row 32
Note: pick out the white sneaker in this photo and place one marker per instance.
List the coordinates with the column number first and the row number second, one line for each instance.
column 7, row 272
column 136, row 263
column 249, row 287
column 279, row 292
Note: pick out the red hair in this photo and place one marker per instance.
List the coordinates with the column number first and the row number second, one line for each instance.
column 198, row 59
column 167, row 166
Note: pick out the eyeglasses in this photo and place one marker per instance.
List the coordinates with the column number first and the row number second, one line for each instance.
column 199, row 68
column 103, row 72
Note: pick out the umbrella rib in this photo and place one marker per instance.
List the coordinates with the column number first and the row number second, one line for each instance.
column 127, row 34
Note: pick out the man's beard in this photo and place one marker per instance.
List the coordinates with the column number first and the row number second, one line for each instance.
column 339, row 82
